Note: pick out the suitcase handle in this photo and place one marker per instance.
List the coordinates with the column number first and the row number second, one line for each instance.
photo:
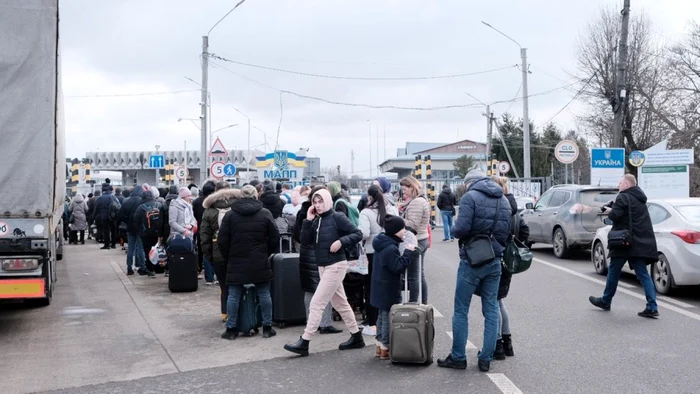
column 420, row 280
column 291, row 239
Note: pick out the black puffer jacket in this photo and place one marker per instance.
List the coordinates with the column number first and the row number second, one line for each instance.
column 326, row 229
column 633, row 200
column 247, row 237
column 128, row 209
column 198, row 208
column 273, row 203
column 308, row 270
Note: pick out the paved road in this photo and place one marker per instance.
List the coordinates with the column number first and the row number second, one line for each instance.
column 108, row 333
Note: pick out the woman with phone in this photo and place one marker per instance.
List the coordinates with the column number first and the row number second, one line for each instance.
column 329, row 233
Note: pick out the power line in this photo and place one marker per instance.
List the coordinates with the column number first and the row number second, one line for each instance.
column 571, row 101
column 435, row 108
column 307, row 74
column 134, row 94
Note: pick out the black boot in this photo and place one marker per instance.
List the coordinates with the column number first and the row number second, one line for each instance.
column 300, row 347
column 499, row 354
column 356, row 341
column 449, row 362
column 484, row 365
column 508, row 345
column 268, row 332
column 230, row 333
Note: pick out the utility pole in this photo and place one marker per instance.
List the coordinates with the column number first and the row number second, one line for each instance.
column 505, row 147
column 370, row 148
column 488, row 134
column 203, row 128
column 247, row 161
column 377, row 157
column 621, row 79
column 526, row 117
column 352, row 162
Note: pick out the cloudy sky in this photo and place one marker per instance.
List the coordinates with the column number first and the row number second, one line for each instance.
column 129, row 47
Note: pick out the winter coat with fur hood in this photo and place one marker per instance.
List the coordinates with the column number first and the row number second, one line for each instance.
column 215, row 206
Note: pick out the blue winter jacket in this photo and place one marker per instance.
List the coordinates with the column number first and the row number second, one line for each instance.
column 103, row 204
column 477, row 211
column 387, row 267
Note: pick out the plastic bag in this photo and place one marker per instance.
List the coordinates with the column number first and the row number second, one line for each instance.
column 361, row 265
column 157, row 255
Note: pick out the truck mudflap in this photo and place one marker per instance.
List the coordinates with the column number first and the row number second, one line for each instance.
column 22, row 288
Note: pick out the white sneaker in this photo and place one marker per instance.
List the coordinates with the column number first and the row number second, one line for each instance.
column 209, row 283
column 370, row 330
column 216, row 282
column 200, row 276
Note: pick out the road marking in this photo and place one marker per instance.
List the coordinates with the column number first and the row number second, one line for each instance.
column 580, row 275
column 470, row 345
column 503, row 383
column 672, row 301
column 437, row 313
column 683, row 312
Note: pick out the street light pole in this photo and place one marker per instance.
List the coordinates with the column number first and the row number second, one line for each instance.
column 247, row 161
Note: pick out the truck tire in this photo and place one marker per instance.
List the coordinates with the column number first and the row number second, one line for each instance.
column 45, row 301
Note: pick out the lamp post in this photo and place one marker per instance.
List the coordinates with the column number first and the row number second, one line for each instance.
column 247, row 159
column 526, row 116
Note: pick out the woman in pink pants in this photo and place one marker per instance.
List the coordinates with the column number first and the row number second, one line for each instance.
column 330, row 233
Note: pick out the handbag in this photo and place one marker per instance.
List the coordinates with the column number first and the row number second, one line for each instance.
column 479, row 248
column 517, row 257
column 361, row 265
column 622, row 239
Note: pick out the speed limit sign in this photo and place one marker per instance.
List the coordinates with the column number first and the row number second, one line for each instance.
column 217, row 169
column 503, row 167
column 181, row 173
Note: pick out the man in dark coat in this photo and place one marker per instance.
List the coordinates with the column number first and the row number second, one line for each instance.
column 446, row 204
column 103, row 214
column 483, row 210
column 629, row 212
column 135, row 246
column 271, row 200
column 247, row 237
column 207, row 189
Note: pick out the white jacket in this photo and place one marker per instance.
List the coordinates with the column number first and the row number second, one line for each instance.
column 369, row 226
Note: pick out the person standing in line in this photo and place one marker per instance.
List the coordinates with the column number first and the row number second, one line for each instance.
column 247, row 238
column 415, row 211
column 483, row 211
column 78, row 210
column 103, row 213
column 329, row 232
column 629, row 212
column 134, row 245
column 446, row 204
column 149, row 220
column 198, row 209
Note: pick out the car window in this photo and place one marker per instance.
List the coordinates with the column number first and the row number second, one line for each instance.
column 657, row 213
column 559, row 198
column 691, row 213
column 597, row 198
column 543, row 202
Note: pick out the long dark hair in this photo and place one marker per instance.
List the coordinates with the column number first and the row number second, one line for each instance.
column 375, row 192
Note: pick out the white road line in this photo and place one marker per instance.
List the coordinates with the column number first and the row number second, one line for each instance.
column 437, row 313
column 503, row 383
column 660, row 303
column 672, row 301
column 470, row 345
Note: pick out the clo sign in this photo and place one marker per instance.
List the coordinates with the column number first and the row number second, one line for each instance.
column 566, row 151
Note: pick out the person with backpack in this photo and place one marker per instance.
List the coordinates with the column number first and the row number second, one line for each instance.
column 329, row 232
column 216, row 205
column 415, row 211
column 134, row 244
column 149, row 221
column 106, row 212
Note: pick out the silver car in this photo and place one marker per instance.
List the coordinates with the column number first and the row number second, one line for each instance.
column 677, row 229
column 567, row 216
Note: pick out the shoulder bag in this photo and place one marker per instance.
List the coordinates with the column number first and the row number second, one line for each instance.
column 479, row 248
column 622, row 239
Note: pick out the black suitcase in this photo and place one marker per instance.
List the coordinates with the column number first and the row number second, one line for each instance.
column 249, row 312
column 287, row 296
column 182, row 268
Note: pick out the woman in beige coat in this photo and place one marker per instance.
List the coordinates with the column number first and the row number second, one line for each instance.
column 415, row 210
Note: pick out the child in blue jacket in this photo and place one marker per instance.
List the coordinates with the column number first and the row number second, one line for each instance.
column 387, row 267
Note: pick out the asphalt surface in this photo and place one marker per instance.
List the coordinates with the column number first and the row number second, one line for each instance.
column 109, row 333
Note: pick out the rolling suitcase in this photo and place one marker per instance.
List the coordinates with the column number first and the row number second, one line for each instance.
column 182, row 268
column 412, row 329
column 287, row 296
column 249, row 312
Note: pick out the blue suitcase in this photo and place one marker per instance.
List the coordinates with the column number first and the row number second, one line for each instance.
column 249, row 312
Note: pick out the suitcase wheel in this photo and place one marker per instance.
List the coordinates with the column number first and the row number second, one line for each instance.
column 281, row 325
column 257, row 331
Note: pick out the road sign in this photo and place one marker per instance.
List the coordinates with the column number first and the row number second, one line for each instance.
column 4, row 229
column 229, row 170
column 181, row 173
column 566, row 151
column 156, row 161
column 217, row 169
column 607, row 166
column 637, row 158
column 217, row 149
column 503, row 167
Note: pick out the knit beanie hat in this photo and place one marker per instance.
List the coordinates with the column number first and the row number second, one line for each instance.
column 195, row 191
column 384, row 184
column 393, row 224
column 249, row 191
column 185, row 192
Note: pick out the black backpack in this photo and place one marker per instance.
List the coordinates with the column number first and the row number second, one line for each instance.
column 153, row 225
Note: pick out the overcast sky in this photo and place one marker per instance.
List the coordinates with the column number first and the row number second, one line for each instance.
column 148, row 46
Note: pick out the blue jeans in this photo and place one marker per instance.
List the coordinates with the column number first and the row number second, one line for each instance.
column 234, row 300
column 383, row 328
column 209, row 270
column 135, row 249
column 447, row 223
column 468, row 278
column 640, row 268
column 416, row 273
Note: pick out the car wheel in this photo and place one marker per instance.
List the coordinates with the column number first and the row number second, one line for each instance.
column 662, row 276
column 559, row 244
column 600, row 261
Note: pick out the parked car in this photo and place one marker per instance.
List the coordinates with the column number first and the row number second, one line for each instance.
column 523, row 201
column 567, row 216
column 677, row 228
